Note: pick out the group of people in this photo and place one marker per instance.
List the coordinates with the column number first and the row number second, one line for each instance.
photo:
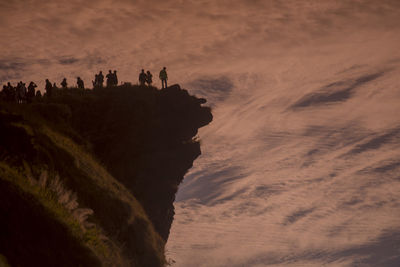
column 23, row 94
column 50, row 88
column 64, row 85
column 147, row 77
column 20, row 93
column 112, row 79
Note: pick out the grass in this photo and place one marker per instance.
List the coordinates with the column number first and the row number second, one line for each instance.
column 3, row 261
column 93, row 238
column 70, row 166
column 111, row 186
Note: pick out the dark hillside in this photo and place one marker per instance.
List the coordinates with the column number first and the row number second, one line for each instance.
column 56, row 196
column 144, row 137
column 39, row 229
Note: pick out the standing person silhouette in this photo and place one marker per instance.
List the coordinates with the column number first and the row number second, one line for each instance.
column 115, row 78
column 149, row 79
column 21, row 92
column 163, row 77
column 100, row 79
column 31, row 92
column 48, row 88
column 80, row 83
column 109, row 77
column 142, row 78
column 96, row 81
column 64, row 83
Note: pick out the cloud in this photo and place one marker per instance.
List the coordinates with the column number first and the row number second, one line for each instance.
column 262, row 164
column 68, row 60
column 215, row 89
column 11, row 69
column 297, row 215
column 6, row 65
column 377, row 141
column 328, row 94
column 210, row 189
column 299, row 201
column 379, row 252
column 199, row 32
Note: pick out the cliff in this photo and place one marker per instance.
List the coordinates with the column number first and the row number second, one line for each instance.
column 88, row 178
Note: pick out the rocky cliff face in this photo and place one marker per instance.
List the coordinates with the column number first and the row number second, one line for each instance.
column 102, row 167
column 145, row 140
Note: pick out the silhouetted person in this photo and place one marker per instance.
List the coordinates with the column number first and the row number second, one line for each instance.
column 142, row 78
column 109, row 77
column 64, row 83
column 24, row 92
column 115, row 78
column 149, row 78
column 3, row 93
column 31, row 92
column 18, row 92
column 96, row 81
column 38, row 94
column 55, row 87
column 6, row 92
column 163, row 77
column 100, row 79
column 48, row 88
column 80, row 83
column 21, row 92
column 10, row 93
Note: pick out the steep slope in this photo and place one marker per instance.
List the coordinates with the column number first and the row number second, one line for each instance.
column 144, row 138
column 62, row 207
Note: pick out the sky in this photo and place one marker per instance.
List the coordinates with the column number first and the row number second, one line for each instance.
column 301, row 164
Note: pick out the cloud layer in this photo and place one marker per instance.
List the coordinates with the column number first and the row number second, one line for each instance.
column 300, row 165
column 66, row 38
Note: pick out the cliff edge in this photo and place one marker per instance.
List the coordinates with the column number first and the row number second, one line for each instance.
column 88, row 178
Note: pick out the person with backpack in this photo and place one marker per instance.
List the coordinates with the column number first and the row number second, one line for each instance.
column 163, row 77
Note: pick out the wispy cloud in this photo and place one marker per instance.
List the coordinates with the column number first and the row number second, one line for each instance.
column 293, row 171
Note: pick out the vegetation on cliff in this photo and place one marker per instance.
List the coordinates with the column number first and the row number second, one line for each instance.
column 88, row 178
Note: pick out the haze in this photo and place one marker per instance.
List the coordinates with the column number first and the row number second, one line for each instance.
column 301, row 164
